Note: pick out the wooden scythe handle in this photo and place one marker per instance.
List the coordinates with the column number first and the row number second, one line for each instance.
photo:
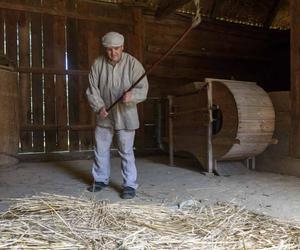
column 194, row 24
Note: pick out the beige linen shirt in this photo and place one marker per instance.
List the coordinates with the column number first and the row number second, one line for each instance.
column 108, row 82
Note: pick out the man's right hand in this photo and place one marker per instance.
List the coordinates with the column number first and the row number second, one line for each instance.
column 103, row 113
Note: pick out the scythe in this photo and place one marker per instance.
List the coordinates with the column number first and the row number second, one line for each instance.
column 196, row 22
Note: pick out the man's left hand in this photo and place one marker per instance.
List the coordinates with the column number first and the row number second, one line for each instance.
column 127, row 97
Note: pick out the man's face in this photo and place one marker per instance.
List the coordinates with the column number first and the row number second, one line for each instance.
column 114, row 53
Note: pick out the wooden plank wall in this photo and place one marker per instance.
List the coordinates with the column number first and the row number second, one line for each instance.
column 55, row 115
column 37, row 36
column 212, row 50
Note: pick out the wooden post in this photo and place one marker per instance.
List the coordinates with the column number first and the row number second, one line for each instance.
column 210, row 159
column 295, row 79
column 136, row 48
column 137, row 37
column 171, row 138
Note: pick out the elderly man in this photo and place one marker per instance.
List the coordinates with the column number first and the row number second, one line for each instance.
column 110, row 76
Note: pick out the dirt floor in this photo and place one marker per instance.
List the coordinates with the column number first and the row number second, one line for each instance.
column 273, row 194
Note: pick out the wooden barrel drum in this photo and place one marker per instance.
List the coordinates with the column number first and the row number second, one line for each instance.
column 242, row 125
column 248, row 119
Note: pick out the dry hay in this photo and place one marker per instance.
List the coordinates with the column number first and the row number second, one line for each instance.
column 61, row 222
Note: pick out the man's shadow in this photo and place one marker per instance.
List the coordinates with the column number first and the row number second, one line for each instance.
column 75, row 172
column 80, row 173
column 182, row 160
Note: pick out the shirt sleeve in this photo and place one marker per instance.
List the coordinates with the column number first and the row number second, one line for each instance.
column 139, row 92
column 93, row 91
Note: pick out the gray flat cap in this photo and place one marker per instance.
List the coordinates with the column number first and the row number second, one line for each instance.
column 112, row 39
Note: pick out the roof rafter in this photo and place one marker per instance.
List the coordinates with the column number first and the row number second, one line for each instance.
column 270, row 17
column 166, row 7
column 214, row 10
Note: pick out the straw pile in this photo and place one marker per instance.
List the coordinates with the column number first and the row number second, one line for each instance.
column 60, row 222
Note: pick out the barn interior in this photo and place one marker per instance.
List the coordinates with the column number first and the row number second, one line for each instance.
column 220, row 122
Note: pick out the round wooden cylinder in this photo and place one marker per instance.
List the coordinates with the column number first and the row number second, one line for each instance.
column 248, row 119
column 9, row 122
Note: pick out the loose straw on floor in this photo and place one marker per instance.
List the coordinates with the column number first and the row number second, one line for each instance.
column 61, row 222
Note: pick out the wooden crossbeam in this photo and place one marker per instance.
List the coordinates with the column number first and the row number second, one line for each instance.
column 166, row 7
column 51, row 71
column 62, row 13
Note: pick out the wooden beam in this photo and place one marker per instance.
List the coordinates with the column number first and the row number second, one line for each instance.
column 58, row 156
column 272, row 14
column 56, row 127
column 51, row 71
column 62, row 13
column 208, row 54
column 295, row 79
column 166, row 7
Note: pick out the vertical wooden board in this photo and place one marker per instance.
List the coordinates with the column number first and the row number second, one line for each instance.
column 136, row 48
column 295, row 80
column 72, row 52
column 93, row 43
column 11, row 19
column 55, row 85
column 1, row 32
column 85, row 136
column 94, row 50
column 150, row 108
column 24, row 83
column 85, row 116
column 94, row 47
column 208, row 158
column 49, row 86
column 190, row 129
column 72, row 46
column 136, row 38
column 37, row 84
column 60, row 83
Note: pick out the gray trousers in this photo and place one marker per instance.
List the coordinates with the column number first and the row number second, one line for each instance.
column 101, row 165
